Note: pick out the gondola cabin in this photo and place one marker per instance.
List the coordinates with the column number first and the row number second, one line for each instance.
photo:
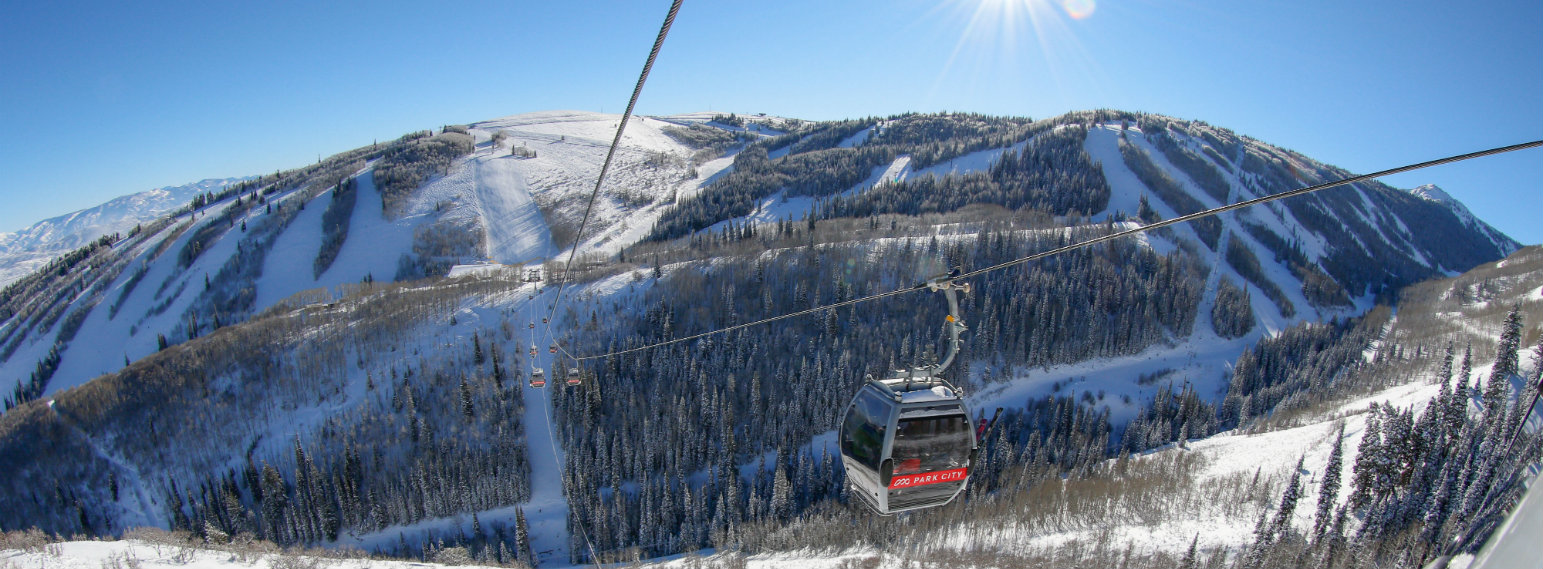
column 573, row 377
column 906, row 444
column 537, row 378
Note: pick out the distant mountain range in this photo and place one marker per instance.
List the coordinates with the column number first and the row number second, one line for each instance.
column 26, row 250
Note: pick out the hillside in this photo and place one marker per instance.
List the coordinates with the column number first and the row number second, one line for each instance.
column 294, row 336
column 1137, row 517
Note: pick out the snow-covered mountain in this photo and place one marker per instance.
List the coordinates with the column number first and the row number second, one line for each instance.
column 297, row 333
column 26, row 250
column 1434, row 193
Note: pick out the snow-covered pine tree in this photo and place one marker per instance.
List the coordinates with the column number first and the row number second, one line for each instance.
column 1288, row 502
column 467, row 409
column 1398, row 451
column 1439, row 505
column 1368, row 453
column 1506, row 353
column 781, row 506
column 1188, row 561
column 522, row 538
column 1328, row 490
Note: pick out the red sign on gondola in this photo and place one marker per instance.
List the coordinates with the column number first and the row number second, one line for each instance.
column 925, row 478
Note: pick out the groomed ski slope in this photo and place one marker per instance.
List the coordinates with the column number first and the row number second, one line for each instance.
column 512, row 194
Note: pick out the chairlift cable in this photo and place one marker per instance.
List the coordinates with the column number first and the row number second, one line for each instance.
column 578, row 238
column 1085, row 243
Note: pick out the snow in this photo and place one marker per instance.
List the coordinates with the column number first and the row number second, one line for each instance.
column 780, row 207
column 1125, row 189
column 370, row 251
column 978, row 161
column 515, row 229
column 374, row 243
column 939, row 393
column 129, row 554
column 478, row 269
column 507, row 194
column 856, row 139
column 1203, row 361
column 287, row 267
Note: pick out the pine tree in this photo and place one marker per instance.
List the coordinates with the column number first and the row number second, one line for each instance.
column 1457, row 411
column 1506, row 358
column 1328, row 490
column 498, row 370
column 1334, row 540
column 1368, row 454
column 522, row 537
column 466, row 405
column 1439, row 505
column 1398, row 451
column 1288, row 502
column 1445, row 372
column 275, row 505
column 781, row 499
column 1188, row 562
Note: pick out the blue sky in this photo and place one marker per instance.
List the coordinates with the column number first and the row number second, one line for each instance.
column 100, row 99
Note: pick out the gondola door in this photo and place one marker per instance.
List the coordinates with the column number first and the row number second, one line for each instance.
column 864, row 429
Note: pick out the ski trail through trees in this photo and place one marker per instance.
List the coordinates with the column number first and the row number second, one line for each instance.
column 139, row 507
column 547, row 511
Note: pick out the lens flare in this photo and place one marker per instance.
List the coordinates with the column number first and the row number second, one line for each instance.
column 996, row 34
column 1078, row 9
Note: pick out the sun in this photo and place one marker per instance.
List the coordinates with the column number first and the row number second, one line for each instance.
column 1075, row 9
column 998, row 32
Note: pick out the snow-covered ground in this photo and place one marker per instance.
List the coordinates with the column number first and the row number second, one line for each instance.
column 135, row 554
column 510, row 193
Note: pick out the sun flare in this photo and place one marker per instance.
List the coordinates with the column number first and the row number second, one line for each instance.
column 997, row 33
